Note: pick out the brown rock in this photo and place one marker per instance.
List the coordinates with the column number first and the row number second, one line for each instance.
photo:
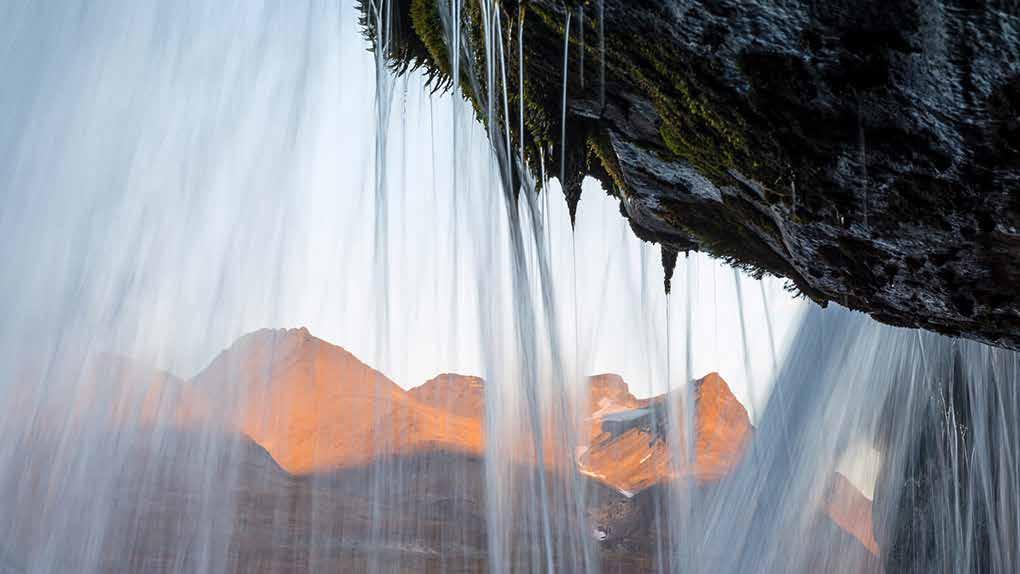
column 461, row 395
column 635, row 447
column 313, row 406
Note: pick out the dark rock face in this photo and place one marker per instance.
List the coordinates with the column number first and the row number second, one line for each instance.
column 871, row 158
column 867, row 150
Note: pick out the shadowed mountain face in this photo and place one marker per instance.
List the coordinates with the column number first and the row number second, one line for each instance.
column 288, row 454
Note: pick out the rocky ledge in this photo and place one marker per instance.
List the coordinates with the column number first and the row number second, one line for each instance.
column 866, row 150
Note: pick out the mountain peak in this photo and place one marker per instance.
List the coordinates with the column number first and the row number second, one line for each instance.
column 629, row 448
column 311, row 404
column 462, row 395
column 608, row 393
column 278, row 340
column 712, row 378
column 608, row 384
column 257, row 355
column 713, row 384
column 609, row 380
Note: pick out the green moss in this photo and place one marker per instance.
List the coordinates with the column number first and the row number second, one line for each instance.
column 715, row 131
column 693, row 127
column 698, row 125
column 428, row 25
column 696, row 105
column 554, row 24
column 602, row 150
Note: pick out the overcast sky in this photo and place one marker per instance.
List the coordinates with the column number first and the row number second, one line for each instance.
column 178, row 174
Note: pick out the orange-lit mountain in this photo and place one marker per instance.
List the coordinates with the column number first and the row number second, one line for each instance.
column 315, row 407
column 623, row 449
column 464, row 396
column 634, row 447
column 461, row 395
column 608, row 393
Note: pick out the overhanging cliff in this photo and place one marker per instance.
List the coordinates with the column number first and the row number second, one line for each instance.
column 868, row 151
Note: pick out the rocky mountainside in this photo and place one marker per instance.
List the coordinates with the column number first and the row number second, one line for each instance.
column 636, row 447
column 458, row 394
column 313, row 406
column 630, row 445
column 608, row 393
column 869, row 152
column 294, row 455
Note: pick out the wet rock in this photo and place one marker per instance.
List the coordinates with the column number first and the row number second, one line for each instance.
column 866, row 150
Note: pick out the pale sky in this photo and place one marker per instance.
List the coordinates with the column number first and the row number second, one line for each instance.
column 163, row 198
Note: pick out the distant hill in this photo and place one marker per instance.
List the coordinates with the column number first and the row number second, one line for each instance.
column 285, row 439
column 315, row 407
column 636, row 447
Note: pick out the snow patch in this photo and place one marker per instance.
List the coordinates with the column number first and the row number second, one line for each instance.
column 626, row 416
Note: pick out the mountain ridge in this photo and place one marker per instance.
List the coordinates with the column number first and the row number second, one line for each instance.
column 315, row 409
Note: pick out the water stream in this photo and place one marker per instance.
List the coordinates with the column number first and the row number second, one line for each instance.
column 186, row 184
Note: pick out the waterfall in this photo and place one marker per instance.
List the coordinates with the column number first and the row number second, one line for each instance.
column 923, row 401
column 275, row 304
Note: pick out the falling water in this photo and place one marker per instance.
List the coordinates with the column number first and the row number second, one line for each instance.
column 743, row 336
column 848, row 378
column 181, row 182
column 563, row 117
column 520, row 93
column 382, row 14
column 768, row 325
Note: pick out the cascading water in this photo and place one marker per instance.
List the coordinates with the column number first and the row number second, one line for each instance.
column 925, row 402
column 176, row 176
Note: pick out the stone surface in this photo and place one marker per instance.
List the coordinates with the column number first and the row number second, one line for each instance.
column 867, row 150
column 461, row 395
column 632, row 447
column 164, row 492
column 315, row 407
